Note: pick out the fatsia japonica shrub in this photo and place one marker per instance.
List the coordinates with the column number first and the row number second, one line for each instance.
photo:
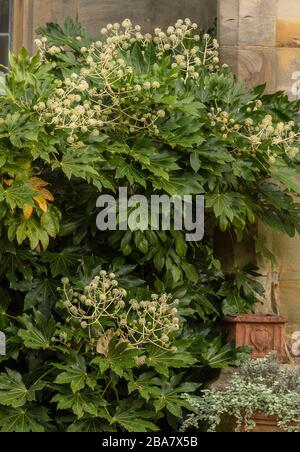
column 105, row 366
column 157, row 114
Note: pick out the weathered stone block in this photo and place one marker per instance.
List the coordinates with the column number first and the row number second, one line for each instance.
column 288, row 63
column 257, row 23
column 228, row 22
column 256, row 65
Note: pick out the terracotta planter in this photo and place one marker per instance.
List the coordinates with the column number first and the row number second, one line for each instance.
column 265, row 424
column 264, row 333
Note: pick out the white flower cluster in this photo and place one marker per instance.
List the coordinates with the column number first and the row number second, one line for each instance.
column 280, row 135
column 224, row 121
column 136, row 322
column 109, row 92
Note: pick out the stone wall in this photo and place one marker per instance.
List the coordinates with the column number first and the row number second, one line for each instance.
column 94, row 14
column 260, row 40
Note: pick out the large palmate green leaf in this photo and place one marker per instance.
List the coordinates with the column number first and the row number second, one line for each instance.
column 90, row 424
column 13, row 391
column 42, row 295
column 169, row 395
column 162, row 361
column 75, row 374
column 286, row 176
column 18, row 194
column 31, row 419
column 63, row 263
column 38, row 331
column 79, row 403
column 132, row 418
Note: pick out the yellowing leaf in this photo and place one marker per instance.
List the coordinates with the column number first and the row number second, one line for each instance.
column 27, row 212
column 47, row 194
column 42, row 203
column 37, row 182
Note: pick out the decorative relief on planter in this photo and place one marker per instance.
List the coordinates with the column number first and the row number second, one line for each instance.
column 261, row 339
column 264, row 333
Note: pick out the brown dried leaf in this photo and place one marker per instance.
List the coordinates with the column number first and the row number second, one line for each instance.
column 103, row 343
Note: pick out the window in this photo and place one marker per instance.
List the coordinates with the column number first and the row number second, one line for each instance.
column 5, row 6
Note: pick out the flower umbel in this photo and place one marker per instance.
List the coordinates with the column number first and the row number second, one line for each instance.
column 137, row 322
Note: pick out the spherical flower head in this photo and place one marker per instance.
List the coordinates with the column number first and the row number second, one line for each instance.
column 121, row 304
column 255, row 140
column 135, row 306
column 123, row 292
column 74, row 310
column 272, row 159
column 292, row 152
column 161, row 113
column 179, row 23
column 38, row 43
column 65, row 281
column 155, row 85
column 249, row 122
column 127, row 24
column 63, row 335
column 140, row 360
column 54, row 50
column 165, row 339
column 215, row 44
column 67, row 304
